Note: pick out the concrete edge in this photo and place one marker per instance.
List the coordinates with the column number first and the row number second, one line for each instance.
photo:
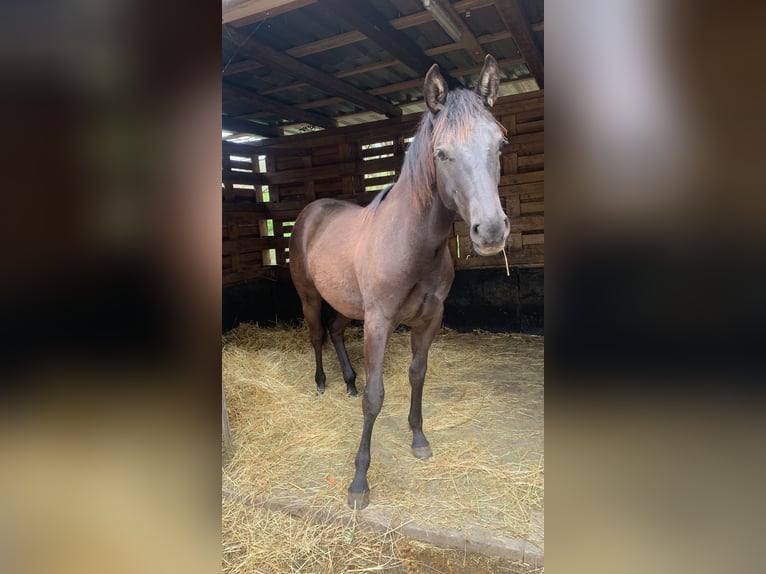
column 477, row 539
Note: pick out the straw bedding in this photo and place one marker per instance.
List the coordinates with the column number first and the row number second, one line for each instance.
column 482, row 410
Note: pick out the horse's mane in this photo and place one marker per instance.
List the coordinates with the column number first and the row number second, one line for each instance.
column 381, row 195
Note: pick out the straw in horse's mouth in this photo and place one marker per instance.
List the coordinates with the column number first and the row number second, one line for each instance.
column 505, row 256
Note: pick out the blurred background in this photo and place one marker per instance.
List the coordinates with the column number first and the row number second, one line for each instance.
column 110, row 300
column 111, row 276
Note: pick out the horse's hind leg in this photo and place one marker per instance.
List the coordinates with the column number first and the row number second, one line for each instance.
column 312, row 313
column 337, row 326
column 421, row 338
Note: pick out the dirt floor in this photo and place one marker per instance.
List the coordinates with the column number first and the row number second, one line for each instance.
column 483, row 414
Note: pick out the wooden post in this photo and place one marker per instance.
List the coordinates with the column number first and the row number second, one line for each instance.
column 227, row 442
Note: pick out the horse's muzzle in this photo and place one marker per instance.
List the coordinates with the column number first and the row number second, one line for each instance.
column 489, row 238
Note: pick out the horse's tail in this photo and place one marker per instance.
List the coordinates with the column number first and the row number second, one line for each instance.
column 325, row 316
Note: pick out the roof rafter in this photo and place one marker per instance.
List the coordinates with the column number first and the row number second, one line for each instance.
column 250, row 98
column 401, row 23
column 244, row 12
column 512, row 13
column 468, row 41
column 243, row 126
column 388, row 63
column 328, row 83
column 366, row 18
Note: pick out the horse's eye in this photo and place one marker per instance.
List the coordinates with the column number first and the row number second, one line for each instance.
column 503, row 143
column 441, row 154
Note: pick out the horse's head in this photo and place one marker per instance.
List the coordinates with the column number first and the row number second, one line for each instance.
column 467, row 141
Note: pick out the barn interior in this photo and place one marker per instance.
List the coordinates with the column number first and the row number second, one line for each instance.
column 321, row 98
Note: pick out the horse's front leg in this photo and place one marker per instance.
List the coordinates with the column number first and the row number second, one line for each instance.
column 421, row 338
column 376, row 333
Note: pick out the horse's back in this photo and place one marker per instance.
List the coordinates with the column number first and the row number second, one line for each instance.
column 316, row 220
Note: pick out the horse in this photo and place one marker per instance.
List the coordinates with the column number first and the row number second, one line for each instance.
column 389, row 263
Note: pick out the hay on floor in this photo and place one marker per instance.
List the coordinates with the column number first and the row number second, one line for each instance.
column 482, row 407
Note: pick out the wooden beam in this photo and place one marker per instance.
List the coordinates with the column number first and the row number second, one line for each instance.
column 347, row 38
column 418, row 103
column 409, row 84
column 484, row 39
column 300, row 51
column 268, row 56
column 360, row 70
column 246, row 127
column 366, row 18
column 512, row 13
column 245, row 12
column 253, row 100
column 468, row 41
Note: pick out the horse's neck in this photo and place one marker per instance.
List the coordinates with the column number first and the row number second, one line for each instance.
column 428, row 226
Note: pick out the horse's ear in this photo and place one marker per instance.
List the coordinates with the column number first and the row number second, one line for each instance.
column 435, row 89
column 488, row 81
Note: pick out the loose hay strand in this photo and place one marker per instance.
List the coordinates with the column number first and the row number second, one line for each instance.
column 481, row 389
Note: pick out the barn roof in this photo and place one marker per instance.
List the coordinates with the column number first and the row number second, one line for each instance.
column 292, row 66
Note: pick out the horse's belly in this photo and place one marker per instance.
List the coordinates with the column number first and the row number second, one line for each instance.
column 338, row 286
column 344, row 299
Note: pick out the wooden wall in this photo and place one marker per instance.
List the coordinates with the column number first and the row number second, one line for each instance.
column 265, row 185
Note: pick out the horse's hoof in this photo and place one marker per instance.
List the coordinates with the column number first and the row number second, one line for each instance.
column 422, row 452
column 320, row 390
column 359, row 500
column 351, row 391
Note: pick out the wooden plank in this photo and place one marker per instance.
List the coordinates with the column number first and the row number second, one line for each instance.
column 250, row 11
column 530, row 256
column 300, row 51
column 526, row 144
column 345, row 39
column 532, row 207
column 251, row 98
column 268, row 56
column 247, row 127
column 530, row 127
column 533, row 239
column 232, row 177
column 510, row 162
column 527, row 223
column 511, row 106
column 368, row 20
column 509, row 121
column 382, row 129
column 254, row 244
column 326, row 44
column 533, row 115
column 512, row 13
column 531, row 181
column 468, row 41
column 330, row 170
column 531, row 162
column 513, row 207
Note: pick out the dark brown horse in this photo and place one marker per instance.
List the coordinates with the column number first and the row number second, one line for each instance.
column 388, row 263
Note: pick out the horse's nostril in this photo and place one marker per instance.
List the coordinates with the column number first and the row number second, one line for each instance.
column 475, row 228
column 507, row 223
